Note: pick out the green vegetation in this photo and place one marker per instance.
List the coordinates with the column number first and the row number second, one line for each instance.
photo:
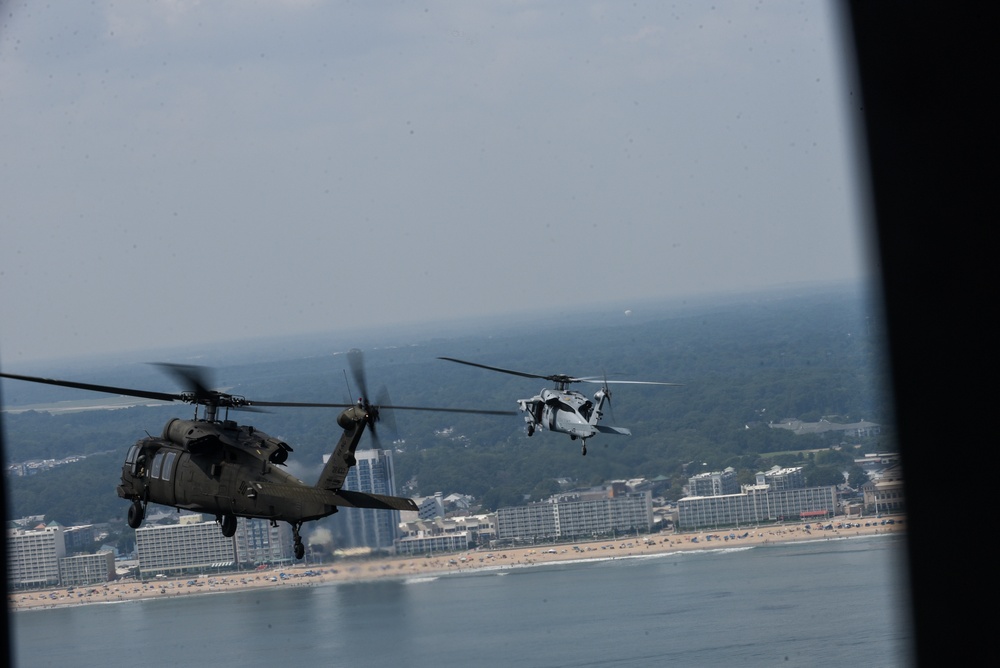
column 742, row 365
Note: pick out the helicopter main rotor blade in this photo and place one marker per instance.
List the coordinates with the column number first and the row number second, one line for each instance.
column 625, row 382
column 500, row 369
column 195, row 378
column 449, row 410
column 109, row 389
column 298, row 404
column 557, row 377
column 192, row 378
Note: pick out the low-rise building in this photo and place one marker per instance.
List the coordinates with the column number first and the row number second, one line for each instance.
column 422, row 544
column 713, row 483
column 446, row 534
column 87, row 569
column 885, row 493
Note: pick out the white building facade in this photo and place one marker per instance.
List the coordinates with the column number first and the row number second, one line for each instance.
column 195, row 545
column 190, row 546
column 33, row 556
column 582, row 515
column 714, row 483
column 779, row 495
column 87, row 569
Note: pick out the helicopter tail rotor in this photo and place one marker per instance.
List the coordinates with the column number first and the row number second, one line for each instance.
column 372, row 412
column 384, row 407
column 356, row 359
column 607, row 397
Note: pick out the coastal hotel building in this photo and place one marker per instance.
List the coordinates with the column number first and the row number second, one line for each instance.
column 605, row 511
column 38, row 556
column 195, row 545
column 778, row 494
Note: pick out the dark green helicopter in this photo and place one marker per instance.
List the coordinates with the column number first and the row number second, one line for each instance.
column 215, row 466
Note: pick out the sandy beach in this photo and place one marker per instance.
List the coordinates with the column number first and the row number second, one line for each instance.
column 345, row 570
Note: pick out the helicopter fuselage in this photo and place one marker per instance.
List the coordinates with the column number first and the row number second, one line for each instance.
column 231, row 471
column 562, row 410
column 219, row 469
column 567, row 412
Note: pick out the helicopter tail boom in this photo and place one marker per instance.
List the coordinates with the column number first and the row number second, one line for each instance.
column 350, row 499
column 331, row 480
column 353, row 421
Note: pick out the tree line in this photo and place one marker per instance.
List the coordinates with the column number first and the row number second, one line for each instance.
column 743, row 364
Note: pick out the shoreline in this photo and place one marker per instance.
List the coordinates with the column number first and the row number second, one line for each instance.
column 395, row 567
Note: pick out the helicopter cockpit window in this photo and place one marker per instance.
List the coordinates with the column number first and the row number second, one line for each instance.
column 132, row 452
column 154, row 470
column 168, row 465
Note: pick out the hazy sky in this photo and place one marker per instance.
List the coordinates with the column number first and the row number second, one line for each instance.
column 182, row 172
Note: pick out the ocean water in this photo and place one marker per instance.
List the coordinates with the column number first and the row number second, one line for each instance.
column 822, row 603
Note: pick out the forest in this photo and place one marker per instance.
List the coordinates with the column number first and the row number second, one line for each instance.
column 743, row 361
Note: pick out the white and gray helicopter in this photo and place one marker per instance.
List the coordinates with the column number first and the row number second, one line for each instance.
column 563, row 410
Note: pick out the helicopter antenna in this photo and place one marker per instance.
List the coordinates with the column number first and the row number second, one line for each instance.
column 350, row 392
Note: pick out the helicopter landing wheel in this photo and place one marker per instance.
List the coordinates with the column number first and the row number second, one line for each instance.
column 136, row 513
column 299, row 548
column 228, row 525
column 584, row 451
column 531, row 429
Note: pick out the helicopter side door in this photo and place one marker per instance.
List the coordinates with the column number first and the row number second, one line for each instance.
column 198, row 480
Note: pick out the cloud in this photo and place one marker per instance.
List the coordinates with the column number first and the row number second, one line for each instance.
column 183, row 173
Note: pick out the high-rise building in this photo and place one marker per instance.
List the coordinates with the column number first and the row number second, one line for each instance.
column 33, row 556
column 368, row 527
